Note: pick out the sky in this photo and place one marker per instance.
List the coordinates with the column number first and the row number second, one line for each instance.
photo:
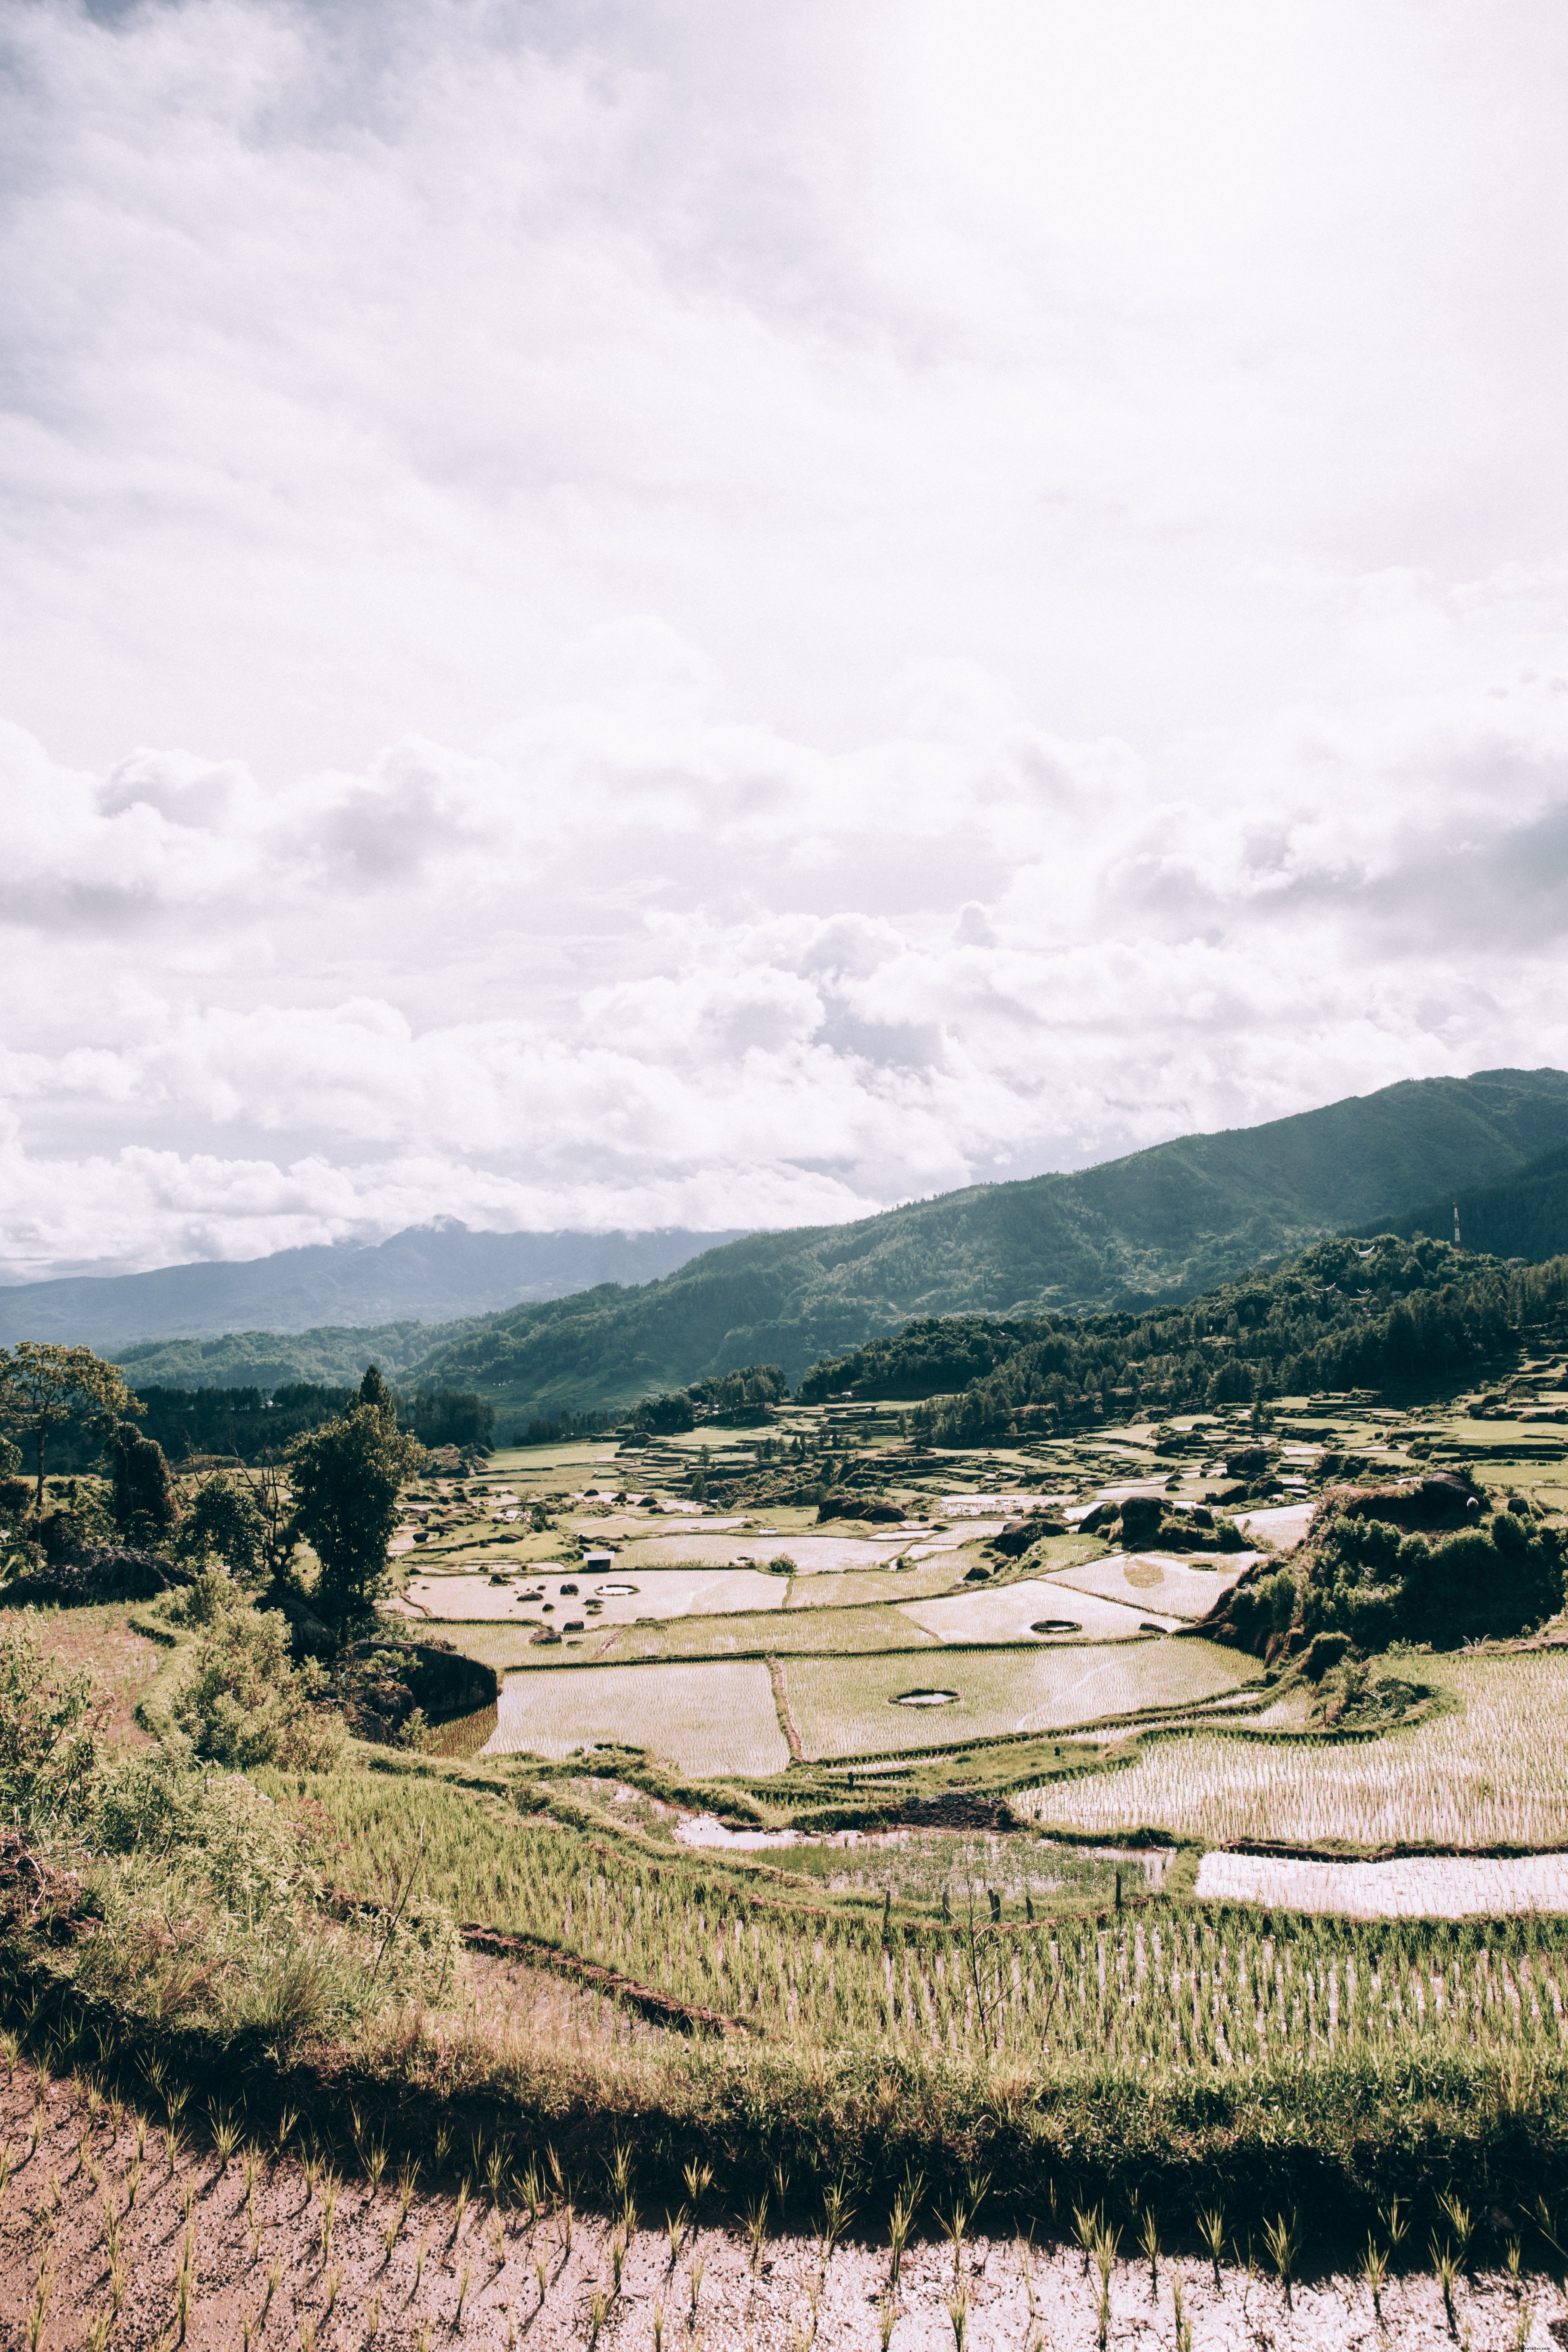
column 699, row 614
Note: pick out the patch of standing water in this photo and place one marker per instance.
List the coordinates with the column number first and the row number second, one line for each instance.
column 707, row 1829
column 925, row 1698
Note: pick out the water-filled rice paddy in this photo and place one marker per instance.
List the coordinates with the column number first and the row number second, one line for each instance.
column 811, row 1554
column 1413, row 1887
column 847, row 1706
column 657, row 1592
column 1009, row 1612
column 710, row 1718
column 1157, row 1582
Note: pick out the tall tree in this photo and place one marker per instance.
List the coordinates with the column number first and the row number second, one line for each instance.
column 146, row 1507
column 346, row 1478
column 224, row 1522
column 42, row 1387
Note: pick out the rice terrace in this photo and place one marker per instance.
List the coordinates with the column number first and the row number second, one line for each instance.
column 1017, row 1860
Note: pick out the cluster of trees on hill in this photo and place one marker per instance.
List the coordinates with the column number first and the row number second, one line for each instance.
column 337, row 1490
column 1384, row 1314
column 738, row 1400
column 1160, row 1226
column 1524, row 1214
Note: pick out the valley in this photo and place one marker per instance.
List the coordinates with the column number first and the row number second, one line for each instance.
column 927, row 1873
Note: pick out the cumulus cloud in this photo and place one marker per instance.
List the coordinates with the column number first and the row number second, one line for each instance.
column 721, row 615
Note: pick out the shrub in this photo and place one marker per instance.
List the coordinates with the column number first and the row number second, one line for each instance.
column 47, row 1730
column 247, row 1704
column 377, row 1702
column 214, row 1827
column 1372, row 1580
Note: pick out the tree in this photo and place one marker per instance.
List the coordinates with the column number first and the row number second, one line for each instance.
column 225, row 1522
column 43, row 1386
column 346, row 1479
column 146, row 1507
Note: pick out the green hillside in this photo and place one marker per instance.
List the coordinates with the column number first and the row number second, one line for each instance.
column 1522, row 1215
column 1165, row 1223
column 269, row 1359
column 1344, row 1314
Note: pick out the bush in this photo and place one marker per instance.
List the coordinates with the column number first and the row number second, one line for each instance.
column 214, row 1827
column 247, row 1704
column 377, row 1702
column 1375, row 1583
column 49, row 1730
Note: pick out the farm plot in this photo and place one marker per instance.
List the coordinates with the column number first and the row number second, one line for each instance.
column 1016, row 1612
column 1285, row 1527
column 1153, row 1581
column 811, row 1554
column 1151, row 1991
column 873, row 1627
column 1415, row 1887
column 976, row 1506
column 705, row 1719
column 1490, row 1774
column 912, row 1579
column 864, row 1706
column 623, row 1598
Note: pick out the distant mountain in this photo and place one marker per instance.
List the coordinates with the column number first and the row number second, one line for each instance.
column 333, row 1357
column 1161, row 1224
column 429, row 1274
column 1522, row 1215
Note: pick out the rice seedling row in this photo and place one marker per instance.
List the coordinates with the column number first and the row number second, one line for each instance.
column 1166, row 1990
column 1491, row 1773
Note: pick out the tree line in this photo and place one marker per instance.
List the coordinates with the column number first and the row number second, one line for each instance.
column 253, row 1425
column 335, row 1487
column 1385, row 1315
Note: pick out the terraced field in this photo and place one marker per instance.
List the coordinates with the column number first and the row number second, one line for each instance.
column 1159, row 1583
column 858, row 1706
column 1491, row 1772
column 1012, row 1613
column 704, row 1720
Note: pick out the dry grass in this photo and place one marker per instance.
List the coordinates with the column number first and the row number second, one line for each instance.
column 123, row 1661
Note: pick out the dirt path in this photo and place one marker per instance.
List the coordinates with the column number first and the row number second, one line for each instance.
column 424, row 2281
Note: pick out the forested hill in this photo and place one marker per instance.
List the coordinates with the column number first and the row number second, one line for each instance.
column 1392, row 1316
column 1171, row 1223
column 1522, row 1215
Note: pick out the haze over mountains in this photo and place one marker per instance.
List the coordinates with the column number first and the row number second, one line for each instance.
column 1167, row 1223
column 431, row 1273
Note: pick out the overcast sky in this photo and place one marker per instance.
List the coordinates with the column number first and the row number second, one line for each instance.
column 711, row 613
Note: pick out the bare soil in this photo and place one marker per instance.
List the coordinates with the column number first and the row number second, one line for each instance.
column 267, row 2272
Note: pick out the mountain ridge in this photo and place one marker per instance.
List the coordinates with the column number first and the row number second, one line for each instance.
column 432, row 1275
column 1166, row 1223
column 1159, row 1226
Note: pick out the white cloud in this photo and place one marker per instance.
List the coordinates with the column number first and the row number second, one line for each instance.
column 721, row 615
